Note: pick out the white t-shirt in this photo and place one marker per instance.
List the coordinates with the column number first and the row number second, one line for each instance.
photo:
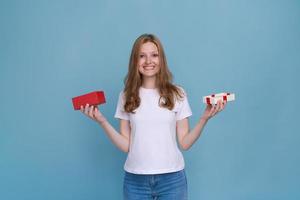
column 153, row 147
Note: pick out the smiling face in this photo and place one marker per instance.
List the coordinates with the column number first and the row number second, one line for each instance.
column 148, row 60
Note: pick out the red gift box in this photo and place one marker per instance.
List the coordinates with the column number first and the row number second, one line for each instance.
column 92, row 98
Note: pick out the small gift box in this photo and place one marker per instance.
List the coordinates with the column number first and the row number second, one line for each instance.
column 92, row 98
column 214, row 98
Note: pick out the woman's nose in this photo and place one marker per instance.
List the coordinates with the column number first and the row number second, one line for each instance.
column 148, row 60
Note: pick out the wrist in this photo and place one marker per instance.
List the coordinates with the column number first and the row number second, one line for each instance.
column 102, row 121
column 203, row 119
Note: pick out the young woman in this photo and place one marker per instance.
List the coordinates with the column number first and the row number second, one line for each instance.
column 152, row 112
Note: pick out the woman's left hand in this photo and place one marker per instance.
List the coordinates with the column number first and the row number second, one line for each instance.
column 212, row 110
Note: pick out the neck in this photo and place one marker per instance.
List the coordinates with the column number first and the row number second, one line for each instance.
column 149, row 82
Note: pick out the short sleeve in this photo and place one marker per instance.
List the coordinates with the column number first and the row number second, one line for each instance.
column 120, row 112
column 183, row 108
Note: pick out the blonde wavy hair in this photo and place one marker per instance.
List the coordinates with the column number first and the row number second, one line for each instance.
column 169, row 93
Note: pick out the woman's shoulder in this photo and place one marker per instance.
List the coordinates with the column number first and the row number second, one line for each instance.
column 122, row 94
column 180, row 89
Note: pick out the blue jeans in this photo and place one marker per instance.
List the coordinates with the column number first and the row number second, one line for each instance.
column 169, row 186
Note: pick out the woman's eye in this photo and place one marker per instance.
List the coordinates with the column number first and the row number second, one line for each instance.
column 141, row 56
column 155, row 55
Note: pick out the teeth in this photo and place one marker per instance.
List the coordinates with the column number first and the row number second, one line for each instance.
column 148, row 68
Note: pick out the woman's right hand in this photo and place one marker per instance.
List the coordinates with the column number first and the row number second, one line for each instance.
column 93, row 113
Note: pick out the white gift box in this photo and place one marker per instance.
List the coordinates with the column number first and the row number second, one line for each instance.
column 214, row 98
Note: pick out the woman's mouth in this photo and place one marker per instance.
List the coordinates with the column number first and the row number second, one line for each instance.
column 148, row 67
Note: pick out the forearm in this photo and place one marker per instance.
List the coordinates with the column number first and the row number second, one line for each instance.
column 190, row 138
column 117, row 139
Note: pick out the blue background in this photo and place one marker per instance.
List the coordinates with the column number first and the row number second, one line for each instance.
column 51, row 51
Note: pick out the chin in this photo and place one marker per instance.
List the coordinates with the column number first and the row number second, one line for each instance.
column 149, row 75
